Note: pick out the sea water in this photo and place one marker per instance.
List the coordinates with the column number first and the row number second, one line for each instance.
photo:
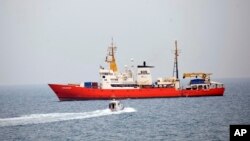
column 33, row 112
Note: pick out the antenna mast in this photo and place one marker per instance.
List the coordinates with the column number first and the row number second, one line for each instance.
column 176, row 54
column 110, row 58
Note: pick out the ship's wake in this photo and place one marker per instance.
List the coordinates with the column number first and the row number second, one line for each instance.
column 55, row 117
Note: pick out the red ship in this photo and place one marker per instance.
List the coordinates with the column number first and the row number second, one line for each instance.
column 128, row 84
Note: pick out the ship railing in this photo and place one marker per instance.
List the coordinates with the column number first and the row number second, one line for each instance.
column 217, row 84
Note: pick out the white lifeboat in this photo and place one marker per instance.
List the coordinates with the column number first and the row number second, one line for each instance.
column 115, row 105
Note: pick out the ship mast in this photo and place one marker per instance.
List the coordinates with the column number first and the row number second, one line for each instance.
column 110, row 58
column 176, row 54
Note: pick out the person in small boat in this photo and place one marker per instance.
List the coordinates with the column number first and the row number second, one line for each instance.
column 111, row 105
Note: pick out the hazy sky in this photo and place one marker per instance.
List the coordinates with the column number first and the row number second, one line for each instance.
column 44, row 41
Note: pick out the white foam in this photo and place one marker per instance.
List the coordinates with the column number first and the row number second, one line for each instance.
column 55, row 117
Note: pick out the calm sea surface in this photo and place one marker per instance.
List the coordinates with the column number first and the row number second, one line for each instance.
column 33, row 113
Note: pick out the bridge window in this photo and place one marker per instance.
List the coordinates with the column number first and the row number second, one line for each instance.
column 194, row 87
column 200, row 87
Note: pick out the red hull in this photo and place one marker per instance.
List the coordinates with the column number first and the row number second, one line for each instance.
column 207, row 92
column 75, row 92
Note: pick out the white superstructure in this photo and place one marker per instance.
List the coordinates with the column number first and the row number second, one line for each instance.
column 111, row 78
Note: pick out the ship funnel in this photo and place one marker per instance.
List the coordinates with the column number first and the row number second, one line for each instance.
column 144, row 75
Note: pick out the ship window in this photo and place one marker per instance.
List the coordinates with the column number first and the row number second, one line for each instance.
column 199, row 87
column 194, row 87
column 106, row 73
